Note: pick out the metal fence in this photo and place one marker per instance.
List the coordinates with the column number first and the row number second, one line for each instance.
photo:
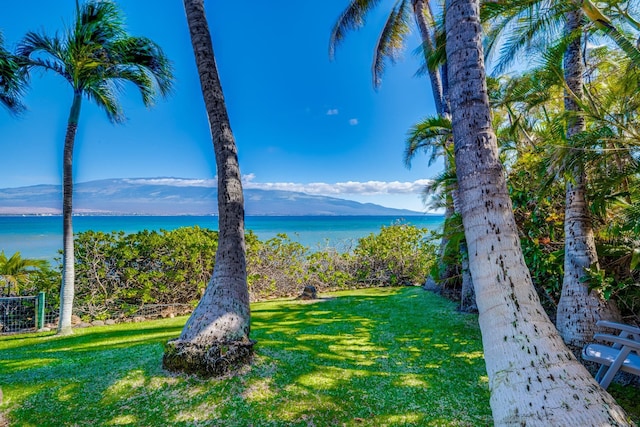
column 21, row 314
column 33, row 313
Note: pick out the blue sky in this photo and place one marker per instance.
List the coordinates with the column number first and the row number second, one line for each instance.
column 301, row 121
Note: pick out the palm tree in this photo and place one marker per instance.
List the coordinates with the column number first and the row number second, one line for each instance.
column 96, row 56
column 390, row 43
column 15, row 271
column 392, row 37
column 215, row 339
column 433, row 136
column 579, row 307
column 12, row 82
column 533, row 377
column 528, row 23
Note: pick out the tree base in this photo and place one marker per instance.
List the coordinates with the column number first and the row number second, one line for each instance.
column 211, row 360
column 68, row 330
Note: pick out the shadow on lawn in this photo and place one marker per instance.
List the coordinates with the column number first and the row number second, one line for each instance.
column 389, row 362
column 381, row 357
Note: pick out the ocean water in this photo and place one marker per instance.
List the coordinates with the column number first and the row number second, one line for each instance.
column 41, row 236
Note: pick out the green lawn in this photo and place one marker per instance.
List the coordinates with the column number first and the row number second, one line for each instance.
column 376, row 357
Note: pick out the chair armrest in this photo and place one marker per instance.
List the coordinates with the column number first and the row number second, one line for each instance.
column 619, row 326
column 635, row 345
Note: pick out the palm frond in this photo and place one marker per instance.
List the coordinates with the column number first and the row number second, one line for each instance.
column 146, row 56
column 38, row 50
column 524, row 26
column 352, row 18
column 436, row 194
column 13, row 81
column 391, row 40
column 105, row 95
column 429, row 135
column 631, row 217
column 98, row 23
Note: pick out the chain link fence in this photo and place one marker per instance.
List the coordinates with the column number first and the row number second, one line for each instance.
column 32, row 313
column 19, row 314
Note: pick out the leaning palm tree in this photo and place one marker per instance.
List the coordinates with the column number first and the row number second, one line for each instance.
column 215, row 339
column 12, row 82
column 534, row 379
column 96, row 56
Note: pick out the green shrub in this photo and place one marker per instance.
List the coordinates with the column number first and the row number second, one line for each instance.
column 400, row 254
column 329, row 269
column 275, row 268
column 116, row 273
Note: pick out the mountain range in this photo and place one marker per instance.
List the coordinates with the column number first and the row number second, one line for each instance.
column 159, row 197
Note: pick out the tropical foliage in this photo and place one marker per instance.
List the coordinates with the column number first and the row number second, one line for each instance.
column 12, row 80
column 117, row 273
column 18, row 274
column 530, row 122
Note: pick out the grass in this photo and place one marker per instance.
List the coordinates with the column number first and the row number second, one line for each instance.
column 376, row 357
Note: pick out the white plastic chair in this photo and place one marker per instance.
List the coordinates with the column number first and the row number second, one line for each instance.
column 622, row 355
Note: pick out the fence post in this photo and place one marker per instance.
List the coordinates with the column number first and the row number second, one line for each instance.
column 40, row 311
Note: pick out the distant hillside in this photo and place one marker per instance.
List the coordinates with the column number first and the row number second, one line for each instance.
column 139, row 197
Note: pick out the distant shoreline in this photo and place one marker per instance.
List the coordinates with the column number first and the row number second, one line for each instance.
column 162, row 197
column 40, row 236
column 102, row 214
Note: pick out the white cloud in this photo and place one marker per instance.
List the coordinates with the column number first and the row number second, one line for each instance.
column 342, row 188
column 174, row 182
column 332, row 112
column 367, row 188
column 353, row 122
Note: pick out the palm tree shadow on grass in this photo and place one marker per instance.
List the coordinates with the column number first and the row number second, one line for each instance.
column 373, row 350
column 403, row 359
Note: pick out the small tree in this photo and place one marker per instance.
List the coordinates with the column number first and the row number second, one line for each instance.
column 16, row 272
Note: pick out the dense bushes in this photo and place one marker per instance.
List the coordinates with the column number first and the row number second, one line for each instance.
column 117, row 272
column 398, row 255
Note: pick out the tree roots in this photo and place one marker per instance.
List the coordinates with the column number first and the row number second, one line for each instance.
column 214, row 359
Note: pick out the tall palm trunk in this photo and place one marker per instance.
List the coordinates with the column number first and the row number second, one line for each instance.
column 215, row 339
column 578, row 309
column 420, row 11
column 534, row 379
column 438, row 80
column 67, row 290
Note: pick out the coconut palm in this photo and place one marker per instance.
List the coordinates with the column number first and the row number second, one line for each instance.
column 392, row 37
column 215, row 339
column 433, row 136
column 12, row 82
column 390, row 44
column 536, row 25
column 533, row 377
column 97, row 57
column 15, row 271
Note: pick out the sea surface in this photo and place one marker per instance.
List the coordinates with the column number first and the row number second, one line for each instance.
column 41, row 236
